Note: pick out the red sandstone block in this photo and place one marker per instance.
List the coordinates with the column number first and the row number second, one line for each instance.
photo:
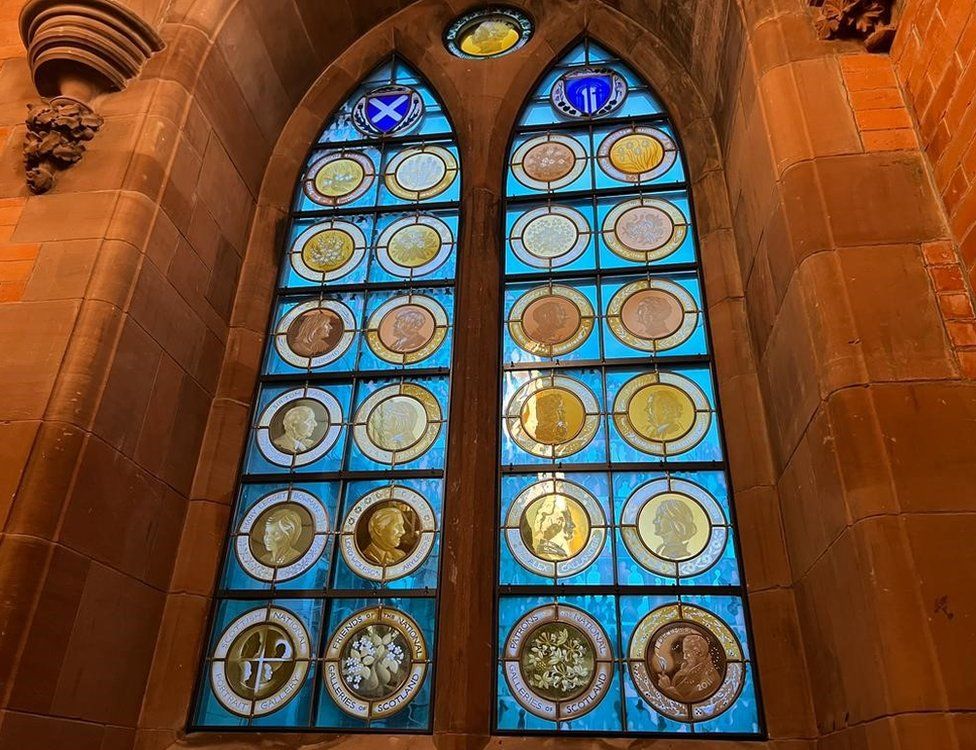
column 12, row 291
column 956, row 306
column 890, row 140
column 947, row 278
column 877, row 99
column 10, row 212
column 955, row 189
column 893, row 118
column 867, row 72
column 19, row 252
column 962, row 333
column 967, row 363
column 938, row 253
column 15, row 270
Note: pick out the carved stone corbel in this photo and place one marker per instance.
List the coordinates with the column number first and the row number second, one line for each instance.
column 871, row 21
column 77, row 50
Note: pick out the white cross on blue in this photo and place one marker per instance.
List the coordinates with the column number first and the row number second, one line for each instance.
column 385, row 112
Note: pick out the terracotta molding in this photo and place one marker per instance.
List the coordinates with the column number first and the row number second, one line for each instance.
column 76, row 50
column 870, row 21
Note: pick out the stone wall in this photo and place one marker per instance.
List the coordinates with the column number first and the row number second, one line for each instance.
column 134, row 298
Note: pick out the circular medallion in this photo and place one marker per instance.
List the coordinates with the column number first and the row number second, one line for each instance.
column 421, row 172
column 339, row 177
column 315, row 333
column 282, row 535
column 674, row 528
column 553, row 416
column 407, row 329
column 637, row 154
column 328, row 251
column 299, row 427
column 645, row 229
column 260, row 661
column 397, row 423
column 590, row 92
column 388, row 110
column 558, row 662
column 663, row 414
column 550, row 321
column 549, row 162
column 686, row 663
column 414, row 246
column 652, row 315
column 550, row 236
column 388, row 533
column 490, row 32
column 375, row 663
column 555, row 528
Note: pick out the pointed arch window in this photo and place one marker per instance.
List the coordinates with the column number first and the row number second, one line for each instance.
column 620, row 599
column 325, row 610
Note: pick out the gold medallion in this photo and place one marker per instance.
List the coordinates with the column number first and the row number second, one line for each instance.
column 407, row 329
column 388, row 533
column 260, row 661
column 645, row 229
column 663, row 414
column 328, row 250
column 555, row 527
column 375, row 663
column 398, row 423
column 686, row 663
column 282, row 535
column 339, row 177
column 558, row 662
column 553, row 416
column 414, row 246
column 637, row 154
column 491, row 37
column 674, row 526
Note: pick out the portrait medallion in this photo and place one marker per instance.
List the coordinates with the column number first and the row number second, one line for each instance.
column 388, row 110
column 590, row 92
column 550, row 236
column 260, row 661
column 299, row 426
column 315, row 333
column 549, row 162
column 388, row 533
column 558, row 662
column 637, row 154
column 397, row 423
column 686, row 663
column 406, row 329
column 663, row 414
column 375, row 663
column 645, row 229
column 328, row 251
column 674, row 528
column 553, row 416
column 339, row 177
column 488, row 33
column 652, row 315
column 414, row 246
column 283, row 535
column 550, row 321
column 421, row 172
column 555, row 528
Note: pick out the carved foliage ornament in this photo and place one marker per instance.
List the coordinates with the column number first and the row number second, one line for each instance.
column 867, row 20
column 77, row 49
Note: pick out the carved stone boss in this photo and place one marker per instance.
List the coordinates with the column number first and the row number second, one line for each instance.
column 871, row 21
column 77, row 50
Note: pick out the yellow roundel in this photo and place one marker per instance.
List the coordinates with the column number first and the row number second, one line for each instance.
column 414, row 245
column 328, row 250
column 637, row 153
column 661, row 412
column 553, row 416
column 492, row 36
column 339, row 178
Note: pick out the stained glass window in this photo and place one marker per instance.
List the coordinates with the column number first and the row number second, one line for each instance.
column 324, row 613
column 620, row 603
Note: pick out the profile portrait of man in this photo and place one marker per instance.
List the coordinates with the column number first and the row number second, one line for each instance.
column 298, row 428
column 553, row 529
column 663, row 410
column 675, row 524
column 395, row 424
column 551, row 425
column 696, row 678
column 549, row 322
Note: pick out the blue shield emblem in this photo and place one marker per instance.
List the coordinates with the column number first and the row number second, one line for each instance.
column 387, row 112
column 589, row 93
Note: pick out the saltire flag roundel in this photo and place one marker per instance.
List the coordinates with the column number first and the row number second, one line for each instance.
column 388, row 110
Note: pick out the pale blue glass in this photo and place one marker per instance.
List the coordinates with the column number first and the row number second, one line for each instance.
column 684, row 253
column 589, row 349
column 416, row 716
column 447, row 268
column 587, row 258
column 439, row 358
column 291, row 279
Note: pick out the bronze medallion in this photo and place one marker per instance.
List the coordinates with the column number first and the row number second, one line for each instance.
column 549, row 161
column 652, row 314
column 376, row 662
column 686, row 661
column 553, row 416
column 387, row 533
column 299, row 426
column 315, row 332
column 555, row 527
column 644, row 228
column 260, row 661
column 551, row 320
column 281, row 534
column 661, row 412
column 558, row 661
column 407, row 328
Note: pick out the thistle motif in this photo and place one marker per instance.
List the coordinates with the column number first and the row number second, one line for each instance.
column 57, row 131
column 868, row 20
